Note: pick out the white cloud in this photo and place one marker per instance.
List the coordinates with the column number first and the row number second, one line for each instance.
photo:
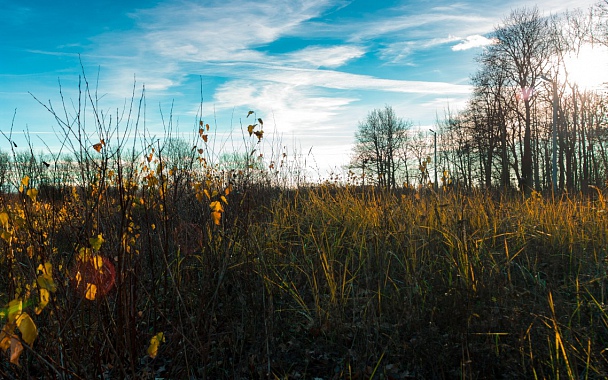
column 293, row 108
column 347, row 81
column 331, row 79
column 228, row 38
column 398, row 52
column 422, row 27
column 402, row 51
column 220, row 30
column 323, row 56
column 473, row 41
column 301, row 118
column 453, row 104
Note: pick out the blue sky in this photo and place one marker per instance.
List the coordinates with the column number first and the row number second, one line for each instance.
column 312, row 69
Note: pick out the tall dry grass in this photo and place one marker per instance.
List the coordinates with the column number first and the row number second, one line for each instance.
column 137, row 267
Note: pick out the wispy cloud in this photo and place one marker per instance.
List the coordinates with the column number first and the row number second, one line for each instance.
column 220, row 30
column 229, row 39
column 292, row 108
column 471, row 42
column 333, row 79
column 323, row 56
column 452, row 104
column 176, row 39
column 402, row 52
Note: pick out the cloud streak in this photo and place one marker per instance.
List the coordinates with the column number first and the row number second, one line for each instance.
column 220, row 30
column 327, row 57
column 472, row 42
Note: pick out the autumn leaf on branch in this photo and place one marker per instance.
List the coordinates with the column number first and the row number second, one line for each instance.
column 99, row 145
column 29, row 331
column 154, row 343
column 216, row 216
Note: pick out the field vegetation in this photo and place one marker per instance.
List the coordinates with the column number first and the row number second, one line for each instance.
column 130, row 257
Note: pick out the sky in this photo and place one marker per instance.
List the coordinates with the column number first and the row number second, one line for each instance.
column 311, row 69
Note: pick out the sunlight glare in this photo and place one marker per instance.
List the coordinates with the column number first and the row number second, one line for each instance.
column 589, row 68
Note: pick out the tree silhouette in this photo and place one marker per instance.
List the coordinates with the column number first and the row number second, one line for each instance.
column 380, row 144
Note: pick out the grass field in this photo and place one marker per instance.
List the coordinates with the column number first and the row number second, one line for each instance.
column 138, row 268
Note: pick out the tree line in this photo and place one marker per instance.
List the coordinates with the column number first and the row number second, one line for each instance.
column 527, row 125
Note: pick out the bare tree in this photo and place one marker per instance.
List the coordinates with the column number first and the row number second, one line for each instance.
column 524, row 49
column 527, row 116
column 380, row 145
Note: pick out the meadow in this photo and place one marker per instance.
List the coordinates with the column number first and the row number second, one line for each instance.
column 132, row 264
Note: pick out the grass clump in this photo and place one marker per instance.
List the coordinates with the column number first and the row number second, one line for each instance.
column 444, row 285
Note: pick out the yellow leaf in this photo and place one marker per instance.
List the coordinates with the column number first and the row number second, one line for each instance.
column 25, row 181
column 97, row 262
column 44, row 300
column 45, row 279
column 96, row 242
column 223, row 198
column 259, row 134
column 98, row 147
column 91, row 292
column 16, row 349
column 32, row 193
column 154, row 343
column 216, row 206
column 249, row 113
column 207, row 194
column 7, row 236
column 228, row 190
column 28, row 329
column 47, row 268
column 205, row 138
column 15, row 307
column 216, row 216
column 250, row 129
column 4, row 219
column 5, row 336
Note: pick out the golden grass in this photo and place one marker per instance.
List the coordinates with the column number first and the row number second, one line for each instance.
column 322, row 281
